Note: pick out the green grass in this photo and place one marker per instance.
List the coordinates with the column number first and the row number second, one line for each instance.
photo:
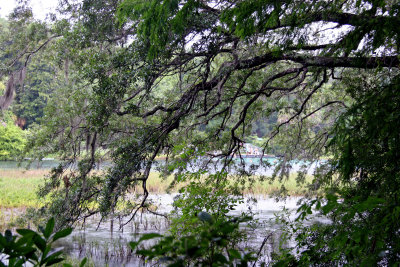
column 18, row 188
column 267, row 187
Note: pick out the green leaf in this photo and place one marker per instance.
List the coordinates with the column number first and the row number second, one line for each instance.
column 20, row 262
column 205, row 217
column 234, row 254
column 83, row 262
column 55, row 252
column 54, row 261
column 62, row 233
column 25, row 232
column 133, row 245
column 39, row 242
column 218, row 257
column 49, row 228
column 24, row 240
column 8, row 236
column 3, row 241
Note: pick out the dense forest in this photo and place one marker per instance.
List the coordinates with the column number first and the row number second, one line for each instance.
column 190, row 82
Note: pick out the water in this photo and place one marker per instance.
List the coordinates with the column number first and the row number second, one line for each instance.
column 104, row 246
column 15, row 165
column 50, row 163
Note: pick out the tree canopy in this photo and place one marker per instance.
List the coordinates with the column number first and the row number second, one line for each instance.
column 190, row 79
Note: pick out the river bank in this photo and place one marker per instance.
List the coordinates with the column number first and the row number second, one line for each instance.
column 18, row 186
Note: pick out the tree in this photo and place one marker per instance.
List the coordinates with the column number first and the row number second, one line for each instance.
column 21, row 38
column 31, row 99
column 232, row 62
column 12, row 138
column 361, row 183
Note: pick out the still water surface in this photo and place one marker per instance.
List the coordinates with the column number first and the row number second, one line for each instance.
column 108, row 245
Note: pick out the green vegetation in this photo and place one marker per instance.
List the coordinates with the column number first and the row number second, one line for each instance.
column 132, row 80
column 18, row 188
column 202, row 233
column 206, row 248
column 363, row 187
column 12, row 139
column 34, row 247
column 20, row 192
column 31, row 100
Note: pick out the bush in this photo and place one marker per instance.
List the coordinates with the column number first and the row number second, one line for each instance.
column 209, row 247
column 12, row 139
column 33, row 247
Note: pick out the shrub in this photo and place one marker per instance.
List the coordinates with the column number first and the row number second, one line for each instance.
column 33, row 247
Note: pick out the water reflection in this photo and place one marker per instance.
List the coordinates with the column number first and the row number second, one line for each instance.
column 109, row 244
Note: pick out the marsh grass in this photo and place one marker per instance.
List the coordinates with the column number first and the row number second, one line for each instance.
column 268, row 187
column 10, row 218
column 157, row 184
column 74, row 262
column 18, row 187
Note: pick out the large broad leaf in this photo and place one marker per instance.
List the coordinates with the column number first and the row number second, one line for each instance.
column 54, row 261
column 56, row 251
column 27, row 251
column 62, row 233
column 53, row 258
column 49, row 228
column 8, row 236
column 83, row 262
column 39, row 242
column 25, row 239
column 25, row 232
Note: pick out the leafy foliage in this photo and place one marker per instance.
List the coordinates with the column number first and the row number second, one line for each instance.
column 12, row 139
column 192, row 80
column 363, row 185
column 200, row 195
column 325, row 72
column 31, row 100
column 210, row 246
column 33, row 247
